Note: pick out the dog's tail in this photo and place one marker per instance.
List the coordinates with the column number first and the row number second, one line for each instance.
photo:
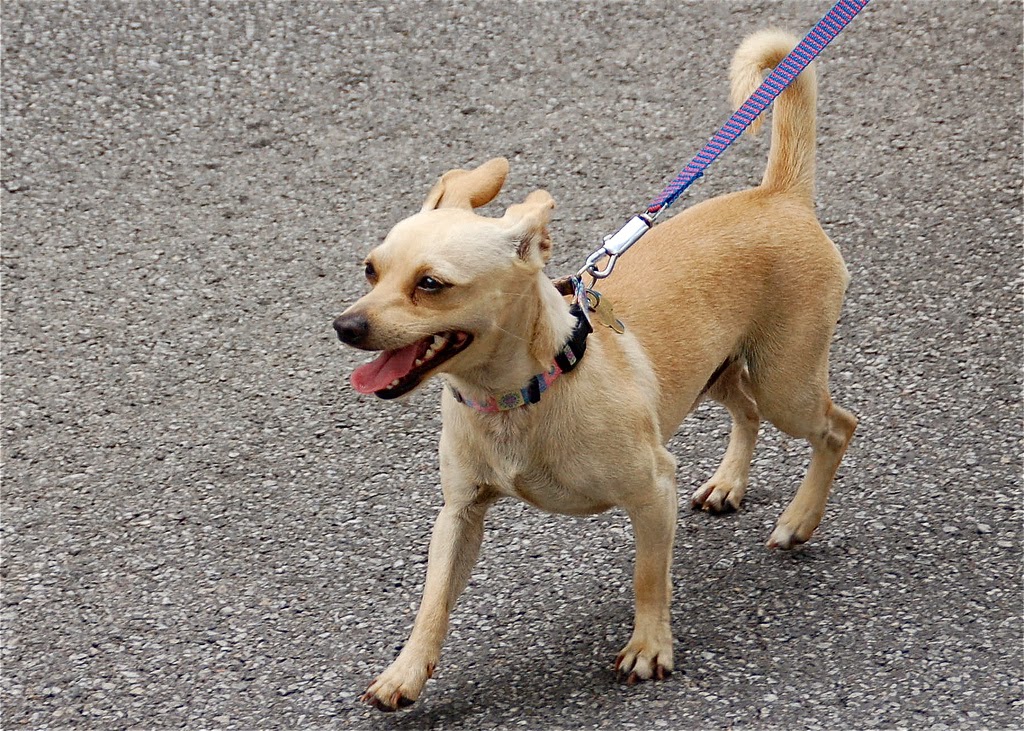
column 791, row 158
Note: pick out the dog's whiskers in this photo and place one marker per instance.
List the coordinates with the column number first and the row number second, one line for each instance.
column 424, row 333
column 511, row 334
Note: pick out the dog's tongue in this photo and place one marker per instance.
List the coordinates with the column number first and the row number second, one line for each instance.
column 389, row 366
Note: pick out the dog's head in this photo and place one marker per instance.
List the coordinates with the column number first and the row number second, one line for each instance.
column 443, row 282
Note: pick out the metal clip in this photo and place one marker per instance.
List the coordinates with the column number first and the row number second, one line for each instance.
column 591, row 266
column 615, row 246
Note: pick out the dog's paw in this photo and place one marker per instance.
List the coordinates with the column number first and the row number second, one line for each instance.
column 398, row 687
column 645, row 658
column 719, row 494
column 792, row 530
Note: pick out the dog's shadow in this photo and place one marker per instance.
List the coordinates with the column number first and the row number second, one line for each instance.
column 538, row 662
column 565, row 662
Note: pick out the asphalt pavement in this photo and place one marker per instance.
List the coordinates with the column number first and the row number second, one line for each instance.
column 204, row 527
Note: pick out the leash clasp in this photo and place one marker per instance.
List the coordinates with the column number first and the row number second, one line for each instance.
column 616, row 245
column 591, row 266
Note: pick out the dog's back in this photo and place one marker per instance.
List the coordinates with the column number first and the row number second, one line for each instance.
column 738, row 275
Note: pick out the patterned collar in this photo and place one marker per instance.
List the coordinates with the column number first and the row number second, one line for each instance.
column 567, row 359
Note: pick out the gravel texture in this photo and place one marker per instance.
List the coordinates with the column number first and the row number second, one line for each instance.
column 204, row 527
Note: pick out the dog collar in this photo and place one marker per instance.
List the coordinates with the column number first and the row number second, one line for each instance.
column 567, row 358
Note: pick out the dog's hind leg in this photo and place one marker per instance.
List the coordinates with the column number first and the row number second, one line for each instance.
column 649, row 651
column 829, row 431
column 792, row 392
column 727, row 486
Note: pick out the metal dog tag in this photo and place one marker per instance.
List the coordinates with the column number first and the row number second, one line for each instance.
column 602, row 307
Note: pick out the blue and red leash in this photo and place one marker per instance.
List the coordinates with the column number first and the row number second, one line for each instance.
column 781, row 77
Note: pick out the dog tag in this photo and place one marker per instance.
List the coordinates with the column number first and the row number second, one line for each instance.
column 602, row 307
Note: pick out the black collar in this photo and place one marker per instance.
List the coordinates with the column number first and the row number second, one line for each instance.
column 565, row 360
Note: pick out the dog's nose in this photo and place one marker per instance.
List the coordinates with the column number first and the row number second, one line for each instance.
column 352, row 329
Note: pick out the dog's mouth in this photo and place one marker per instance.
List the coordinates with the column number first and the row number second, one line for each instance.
column 396, row 372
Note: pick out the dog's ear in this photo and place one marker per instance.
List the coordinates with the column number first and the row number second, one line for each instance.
column 528, row 222
column 468, row 188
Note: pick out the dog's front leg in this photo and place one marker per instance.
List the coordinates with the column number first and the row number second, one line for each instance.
column 649, row 652
column 454, row 546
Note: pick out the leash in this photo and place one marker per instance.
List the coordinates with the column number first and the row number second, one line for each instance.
column 781, row 77
column 587, row 299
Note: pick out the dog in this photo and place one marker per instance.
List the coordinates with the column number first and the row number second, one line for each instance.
column 735, row 299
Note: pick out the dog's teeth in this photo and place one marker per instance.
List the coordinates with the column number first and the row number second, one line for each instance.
column 419, row 361
column 438, row 342
column 393, row 383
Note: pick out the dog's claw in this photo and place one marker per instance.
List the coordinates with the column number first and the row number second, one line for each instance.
column 634, row 665
column 396, row 702
column 725, row 506
column 719, row 496
column 372, row 700
column 699, row 496
column 660, row 673
column 399, row 686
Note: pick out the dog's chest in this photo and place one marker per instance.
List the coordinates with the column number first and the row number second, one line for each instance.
column 537, row 468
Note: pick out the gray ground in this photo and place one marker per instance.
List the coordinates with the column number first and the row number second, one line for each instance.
column 205, row 527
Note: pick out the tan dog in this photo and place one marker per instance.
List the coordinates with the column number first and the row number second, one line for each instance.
column 736, row 298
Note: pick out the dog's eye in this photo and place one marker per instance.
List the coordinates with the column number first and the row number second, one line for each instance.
column 371, row 273
column 429, row 284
